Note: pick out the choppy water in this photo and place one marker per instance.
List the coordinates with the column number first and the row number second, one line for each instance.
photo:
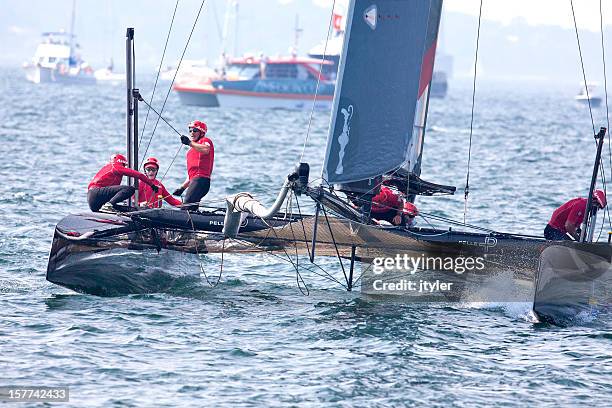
column 255, row 340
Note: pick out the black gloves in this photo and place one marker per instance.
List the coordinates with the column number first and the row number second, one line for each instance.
column 179, row 191
column 185, row 140
column 154, row 188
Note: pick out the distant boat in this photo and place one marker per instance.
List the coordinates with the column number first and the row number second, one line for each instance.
column 439, row 85
column 281, row 82
column 108, row 75
column 57, row 60
column 592, row 95
column 193, row 83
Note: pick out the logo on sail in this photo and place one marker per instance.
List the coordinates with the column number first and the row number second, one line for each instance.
column 343, row 139
column 370, row 16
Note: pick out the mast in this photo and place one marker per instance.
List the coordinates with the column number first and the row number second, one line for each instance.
column 590, row 213
column 71, row 58
column 132, row 110
column 236, row 27
column 296, row 38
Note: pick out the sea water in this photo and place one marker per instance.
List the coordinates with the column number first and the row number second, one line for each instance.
column 256, row 339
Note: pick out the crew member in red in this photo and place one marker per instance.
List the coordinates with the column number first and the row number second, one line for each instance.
column 149, row 198
column 106, row 185
column 567, row 218
column 409, row 212
column 387, row 205
column 200, row 160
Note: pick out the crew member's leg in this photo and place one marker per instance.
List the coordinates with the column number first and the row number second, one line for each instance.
column 553, row 234
column 198, row 188
column 122, row 193
column 97, row 197
column 386, row 215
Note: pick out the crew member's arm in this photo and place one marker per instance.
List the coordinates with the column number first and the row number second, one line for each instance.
column 135, row 174
column 185, row 183
column 200, row 147
column 570, row 227
column 168, row 197
column 179, row 191
column 574, row 220
column 398, row 204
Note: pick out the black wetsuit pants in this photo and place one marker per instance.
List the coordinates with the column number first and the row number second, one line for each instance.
column 553, row 234
column 198, row 188
column 97, row 197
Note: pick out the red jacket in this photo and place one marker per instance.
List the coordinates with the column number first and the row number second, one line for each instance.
column 386, row 200
column 111, row 175
column 200, row 164
column 572, row 211
column 148, row 198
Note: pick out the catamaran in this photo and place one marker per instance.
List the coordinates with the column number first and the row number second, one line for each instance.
column 103, row 253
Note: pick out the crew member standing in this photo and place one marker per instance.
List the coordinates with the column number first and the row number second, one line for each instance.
column 200, row 160
column 150, row 198
column 567, row 218
column 106, row 185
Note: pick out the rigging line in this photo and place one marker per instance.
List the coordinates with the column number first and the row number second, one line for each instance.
column 288, row 259
column 467, row 178
column 314, row 101
column 603, row 60
column 171, row 163
column 303, row 227
column 298, row 276
column 174, row 77
column 162, row 118
column 603, row 176
column 325, row 275
column 195, row 241
column 335, row 245
column 586, row 88
column 161, row 62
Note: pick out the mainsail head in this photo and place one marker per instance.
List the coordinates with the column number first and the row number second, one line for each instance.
column 378, row 87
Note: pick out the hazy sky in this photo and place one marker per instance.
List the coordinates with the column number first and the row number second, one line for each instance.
column 550, row 12
column 268, row 26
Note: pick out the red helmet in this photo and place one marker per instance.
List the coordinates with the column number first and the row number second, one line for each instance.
column 410, row 209
column 119, row 159
column 151, row 161
column 199, row 125
column 600, row 197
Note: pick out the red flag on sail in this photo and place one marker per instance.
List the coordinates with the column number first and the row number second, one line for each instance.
column 337, row 22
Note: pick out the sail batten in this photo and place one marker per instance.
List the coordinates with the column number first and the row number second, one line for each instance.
column 378, row 87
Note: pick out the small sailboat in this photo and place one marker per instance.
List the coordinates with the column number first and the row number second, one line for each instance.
column 108, row 75
column 341, row 226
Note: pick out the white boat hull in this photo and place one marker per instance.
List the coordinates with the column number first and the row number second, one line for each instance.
column 40, row 75
column 264, row 102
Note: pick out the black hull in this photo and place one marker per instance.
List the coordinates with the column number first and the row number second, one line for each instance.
column 574, row 282
column 144, row 252
column 109, row 254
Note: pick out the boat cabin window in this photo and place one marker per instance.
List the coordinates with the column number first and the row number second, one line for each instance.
column 52, row 59
column 281, row 71
column 242, row 71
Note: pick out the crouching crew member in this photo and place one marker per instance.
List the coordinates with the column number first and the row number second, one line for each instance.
column 387, row 206
column 106, row 185
column 200, row 160
column 567, row 218
column 146, row 195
